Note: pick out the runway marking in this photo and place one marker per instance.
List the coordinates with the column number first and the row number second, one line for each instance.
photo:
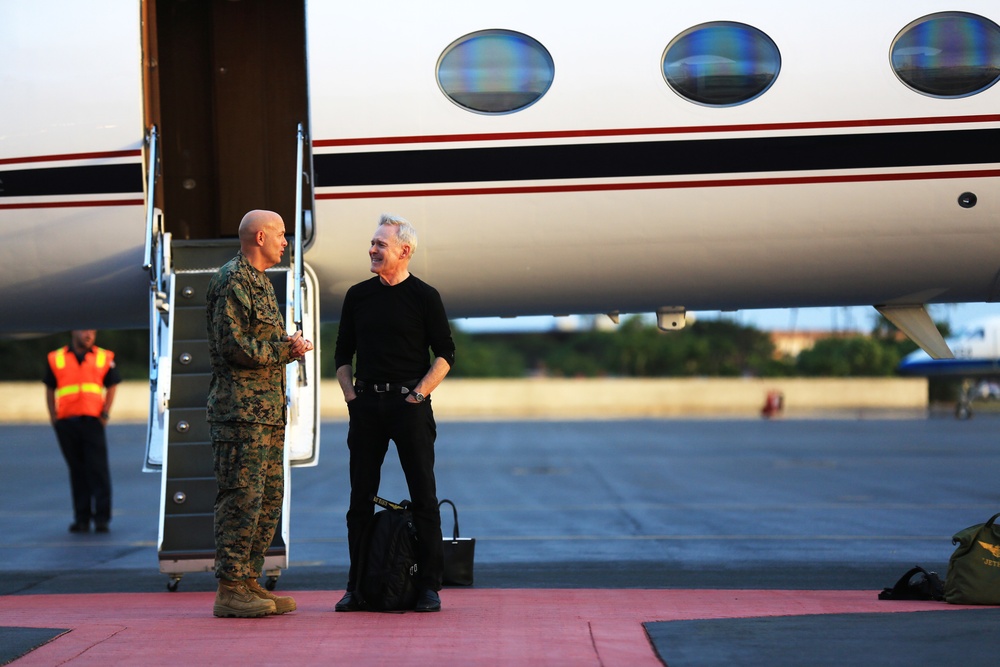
column 747, row 506
column 81, row 542
column 683, row 538
column 98, row 542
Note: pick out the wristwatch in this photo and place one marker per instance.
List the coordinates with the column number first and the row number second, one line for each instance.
column 418, row 397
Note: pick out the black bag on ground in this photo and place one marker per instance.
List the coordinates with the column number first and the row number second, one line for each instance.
column 387, row 559
column 974, row 568
column 459, row 554
column 927, row 586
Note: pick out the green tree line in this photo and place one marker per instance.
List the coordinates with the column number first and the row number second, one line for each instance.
column 25, row 358
column 705, row 348
column 636, row 348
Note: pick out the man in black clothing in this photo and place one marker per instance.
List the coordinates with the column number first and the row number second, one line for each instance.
column 389, row 322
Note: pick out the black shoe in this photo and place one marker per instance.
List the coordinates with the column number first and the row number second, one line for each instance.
column 350, row 602
column 101, row 527
column 79, row 527
column 429, row 601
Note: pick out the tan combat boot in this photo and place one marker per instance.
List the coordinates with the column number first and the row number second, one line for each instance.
column 282, row 603
column 236, row 600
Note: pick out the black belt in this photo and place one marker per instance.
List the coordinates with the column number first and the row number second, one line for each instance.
column 386, row 387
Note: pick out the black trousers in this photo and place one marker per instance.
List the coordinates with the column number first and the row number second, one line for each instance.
column 375, row 420
column 85, row 448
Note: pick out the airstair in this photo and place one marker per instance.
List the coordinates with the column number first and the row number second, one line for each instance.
column 178, row 444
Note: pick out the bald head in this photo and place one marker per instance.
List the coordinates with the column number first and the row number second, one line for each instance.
column 253, row 222
column 262, row 238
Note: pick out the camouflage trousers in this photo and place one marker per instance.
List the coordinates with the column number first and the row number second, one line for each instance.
column 250, row 474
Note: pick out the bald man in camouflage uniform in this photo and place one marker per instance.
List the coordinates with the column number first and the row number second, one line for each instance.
column 249, row 349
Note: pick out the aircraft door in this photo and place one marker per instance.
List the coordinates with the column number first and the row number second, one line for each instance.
column 226, row 86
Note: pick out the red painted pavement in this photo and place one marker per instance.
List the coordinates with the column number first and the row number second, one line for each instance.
column 494, row 627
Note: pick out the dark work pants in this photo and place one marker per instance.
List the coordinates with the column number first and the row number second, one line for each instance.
column 85, row 448
column 375, row 420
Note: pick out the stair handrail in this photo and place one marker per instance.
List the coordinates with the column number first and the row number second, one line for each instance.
column 152, row 168
column 297, row 292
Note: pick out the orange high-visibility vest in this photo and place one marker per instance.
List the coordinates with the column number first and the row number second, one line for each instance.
column 80, row 387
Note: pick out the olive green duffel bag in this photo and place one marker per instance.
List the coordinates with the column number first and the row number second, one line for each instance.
column 974, row 569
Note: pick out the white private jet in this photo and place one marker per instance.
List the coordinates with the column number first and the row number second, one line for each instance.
column 646, row 157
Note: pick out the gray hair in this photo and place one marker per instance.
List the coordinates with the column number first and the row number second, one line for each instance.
column 405, row 233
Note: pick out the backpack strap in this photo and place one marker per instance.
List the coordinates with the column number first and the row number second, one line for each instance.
column 389, row 505
column 927, row 587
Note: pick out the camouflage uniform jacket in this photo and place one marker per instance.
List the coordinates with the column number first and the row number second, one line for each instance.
column 246, row 344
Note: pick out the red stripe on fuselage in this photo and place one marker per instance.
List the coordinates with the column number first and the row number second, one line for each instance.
column 73, row 204
column 665, row 185
column 628, row 132
column 135, row 152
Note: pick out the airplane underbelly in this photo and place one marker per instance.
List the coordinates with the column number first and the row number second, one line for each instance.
column 704, row 247
column 55, row 279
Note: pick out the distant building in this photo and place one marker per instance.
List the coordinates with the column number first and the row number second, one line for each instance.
column 791, row 343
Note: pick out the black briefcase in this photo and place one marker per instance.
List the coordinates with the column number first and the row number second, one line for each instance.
column 459, row 555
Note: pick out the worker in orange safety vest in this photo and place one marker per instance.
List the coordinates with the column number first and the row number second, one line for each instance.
column 80, row 381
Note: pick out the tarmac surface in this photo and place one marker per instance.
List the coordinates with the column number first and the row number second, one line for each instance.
column 639, row 542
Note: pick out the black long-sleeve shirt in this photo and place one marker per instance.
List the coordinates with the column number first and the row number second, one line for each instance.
column 391, row 327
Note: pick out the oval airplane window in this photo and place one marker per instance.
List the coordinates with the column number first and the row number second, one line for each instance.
column 951, row 54
column 495, row 71
column 721, row 63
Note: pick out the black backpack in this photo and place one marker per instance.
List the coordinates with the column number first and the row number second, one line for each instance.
column 927, row 586
column 387, row 559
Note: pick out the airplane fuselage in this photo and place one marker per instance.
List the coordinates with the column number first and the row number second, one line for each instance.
column 616, row 189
